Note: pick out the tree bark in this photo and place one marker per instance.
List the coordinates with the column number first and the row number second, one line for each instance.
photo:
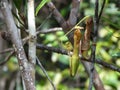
column 32, row 40
column 17, row 42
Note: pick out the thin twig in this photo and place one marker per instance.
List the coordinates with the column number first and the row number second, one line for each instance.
column 44, row 71
column 52, row 49
column 49, row 30
column 93, row 48
column 6, row 50
column 62, row 51
column 7, row 58
column 44, row 21
column 24, row 40
column 43, row 32
column 103, row 5
column 105, row 64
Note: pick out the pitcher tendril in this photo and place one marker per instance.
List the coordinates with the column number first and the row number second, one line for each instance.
column 77, row 25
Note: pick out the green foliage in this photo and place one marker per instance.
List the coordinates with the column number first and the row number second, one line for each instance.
column 42, row 3
column 57, row 65
column 63, row 59
column 54, row 39
column 12, row 64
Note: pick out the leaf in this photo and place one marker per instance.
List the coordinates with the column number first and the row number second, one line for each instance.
column 42, row 3
column 117, row 55
column 86, row 39
column 85, row 42
column 63, row 59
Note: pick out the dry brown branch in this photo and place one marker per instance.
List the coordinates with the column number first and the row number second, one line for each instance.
column 49, row 30
column 62, row 51
column 6, row 50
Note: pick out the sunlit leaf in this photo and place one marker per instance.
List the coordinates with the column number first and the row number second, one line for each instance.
column 50, row 37
column 64, row 59
column 117, row 55
column 60, row 33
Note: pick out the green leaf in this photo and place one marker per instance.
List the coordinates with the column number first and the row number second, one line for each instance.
column 42, row 3
column 50, row 37
column 117, row 55
column 64, row 59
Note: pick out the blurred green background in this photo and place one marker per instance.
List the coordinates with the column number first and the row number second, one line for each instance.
column 57, row 65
